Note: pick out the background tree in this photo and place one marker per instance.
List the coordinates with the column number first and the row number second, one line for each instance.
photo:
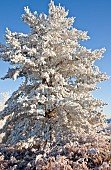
column 3, row 98
column 54, row 101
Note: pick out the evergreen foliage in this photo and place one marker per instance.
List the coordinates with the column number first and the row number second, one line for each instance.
column 55, row 100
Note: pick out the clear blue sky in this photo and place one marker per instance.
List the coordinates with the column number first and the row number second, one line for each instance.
column 93, row 16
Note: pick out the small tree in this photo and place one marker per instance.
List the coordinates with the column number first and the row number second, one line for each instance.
column 54, row 101
column 3, row 98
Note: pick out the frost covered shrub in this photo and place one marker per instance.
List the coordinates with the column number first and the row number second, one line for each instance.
column 54, row 101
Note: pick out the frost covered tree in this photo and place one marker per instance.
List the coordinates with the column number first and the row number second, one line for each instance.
column 55, row 100
column 3, row 98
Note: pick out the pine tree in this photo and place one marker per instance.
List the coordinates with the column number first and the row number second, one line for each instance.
column 54, row 101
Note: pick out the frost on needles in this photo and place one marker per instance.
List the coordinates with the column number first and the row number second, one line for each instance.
column 54, row 102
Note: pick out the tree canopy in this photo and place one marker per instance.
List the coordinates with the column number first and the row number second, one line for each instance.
column 55, row 98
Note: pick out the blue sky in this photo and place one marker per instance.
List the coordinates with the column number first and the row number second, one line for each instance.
column 93, row 16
